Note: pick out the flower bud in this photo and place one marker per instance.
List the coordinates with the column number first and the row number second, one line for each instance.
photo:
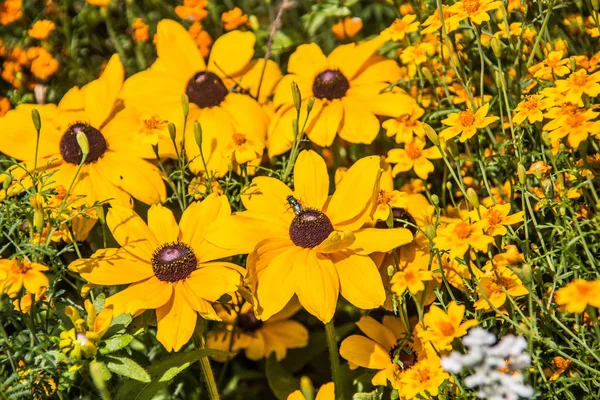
column 172, row 131
column 198, row 134
column 84, row 144
column 185, row 104
column 496, row 47
column 428, row 75
column 253, row 21
column 38, row 220
column 548, row 188
column 309, row 105
column 499, row 79
column 85, row 289
column 37, row 122
column 449, row 186
column 435, row 199
column 521, row 173
column 307, row 388
column 391, row 270
column 296, row 96
column 430, row 231
column 6, row 182
column 431, row 134
column 473, row 198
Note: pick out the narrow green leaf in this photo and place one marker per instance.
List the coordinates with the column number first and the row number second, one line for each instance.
column 281, row 382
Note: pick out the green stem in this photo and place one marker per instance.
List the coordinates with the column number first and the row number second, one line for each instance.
column 209, row 378
column 113, row 35
column 334, row 359
column 540, row 34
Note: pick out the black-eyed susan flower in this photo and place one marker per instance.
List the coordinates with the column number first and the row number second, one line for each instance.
column 442, row 327
column 258, row 338
column 306, row 243
column 386, row 348
column 414, row 156
column 114, row 168
column 349, row 87
column 578, row 294
column 497, row 285
column 465, row 123
column 457, row 237
column 168, row 267
column 326, row 392
column 16, row 274
column 220, row 93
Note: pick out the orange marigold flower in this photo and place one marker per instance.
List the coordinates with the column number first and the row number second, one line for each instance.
column 14, row 275
column 202, row 38
column 476, row 10
column 579, row 294
column 192, row 10
column 466, row 123
column 401, row 27
column 141, row 33
column 406, row 125
column 234, row 19
column 10, row 11
column 41, row 29
column 43, row 65
column 411, row 278
column 576, row 123
column 4, row 106
column 441, row 328
column 347, row 28
column 553, row 65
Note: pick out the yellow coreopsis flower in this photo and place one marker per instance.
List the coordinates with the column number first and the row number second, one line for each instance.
column 553, row 65
column 457, row 237
column 495, row 219
column 221, row 93
column 406, row 126
column 400, row 28
column 466, row 123
column 441, row 328
column 306, row 243
column 578, row 84
column 15, row 274
column 433, row 23
column 258, row 338
column 579, row 294
column 475, row 10
column 422, row 380
column 168, row 266
column 326, row 392
column 385, row 342
column 350, row 87
column 530, row 109
column 414, row 156
column 411, row 278
column 497, row 284
column 114, row 169
column 575, row 123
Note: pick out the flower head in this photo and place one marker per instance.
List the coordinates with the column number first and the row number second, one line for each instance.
column 234, row 19
column 457, row 237
column 578, row 294
column 441, row 328
column 41, row 29
column 465, row 123
column 16, row 274
column 347, row 28
column 401, row 27
column 414, row 156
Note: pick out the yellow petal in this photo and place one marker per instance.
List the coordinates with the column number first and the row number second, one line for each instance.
column 212, row 280
column 199, row 218
column 268, row 196
column 130, row 231
column 376, row 331
column 112, row 267
column 35, row 281
column 247, row 115
column 359, row 125
column 145, row 295
column 336, row 241
column 326, row 392
column 308, row 60
column 350, row 58
column 311, row 181
column 231, row 53
column 252, row 77
column 100, row 96
column 177, row 51
column 283, row 94
column 327, row 125
column 364, row 352
column 317, row 284
column 296, row 395
column 176, row 322
column 371, row 240
column 162, row 223
column 360, row 280
column 103, row 321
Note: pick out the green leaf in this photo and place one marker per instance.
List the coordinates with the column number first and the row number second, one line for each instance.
column 119, row 323
column 116, row 343
column 374, row 395
column 128, row 368
column 141, row 322
column 281, row 382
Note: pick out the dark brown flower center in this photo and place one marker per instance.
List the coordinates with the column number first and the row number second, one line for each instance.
column 400, row 215
column 330, row 84
column 310, row 228
column 173, row 262
column 206, row 89
column 405, row 359
column 248, row 322
column 70, row 149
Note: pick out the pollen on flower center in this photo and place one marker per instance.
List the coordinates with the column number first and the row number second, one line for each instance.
column 248, row 322
column 470, row 6
column 580, row 79
column 239, row 139
column 310, row 228
column 69, row 147
column 413, row 152
column 447, row 329
column 494, row 217
column 173, row 262
column 462, row 230
column 206, row 89
column 531, row 103
column 466, row 118
column 330, row 84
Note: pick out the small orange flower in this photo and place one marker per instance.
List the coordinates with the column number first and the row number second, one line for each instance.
column 475, row 10
column 10, row 11
column 406, row 125
column 457, row 237
column 466, row 123
column 411, row 278
column 16, row 274
column 414, row 156
column 530, row 109
column 43, row 65
column 441, row 328
column 347, row 28
column 553, row 65
column 579, row 294
column 141, row 33
column 201, row 37
column 234, row 19
column 401, row 27
column 495, row 219
column 497, row 284
column 41, row 29
column 4, row 106
column 192, row 10
column 578, row 84
column 99, row 3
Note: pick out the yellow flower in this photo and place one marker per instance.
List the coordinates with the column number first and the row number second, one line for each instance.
column 441, row 328
column 560, row 366
column 14, row 275
column 307, row 243
column 192, row 10
column 414, row 156
column 579, row 294
column 24, row 303
column 198, row 187
column 168, row 267
column 385, row 342
column 84, row 338
column 476, row 10
column 41, row 29
column 434, row 22
column 553, row 65
column 400, row 28
column 457, row 237
column 326, row 392
column 466, row 123
column 114, row 168
column 496, row 218
column 242, row 149
column 530, row 109
column 141, row 33
column 99, row 3
column 497, row 284
column 234, row 19
column 216, row 91
column 411, row 278
column 43, row 65
column 347, row 28
column 576, row 123
column 578, row 84
column 258, row 338
column 349, row 87
column 10, row 11
column 406, row 125
column 423, row 379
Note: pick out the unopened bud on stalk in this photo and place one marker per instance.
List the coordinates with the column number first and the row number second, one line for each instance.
column 6, row 182
column 428, row 75
column 185, row 104
column 253, row 22
column 430, row 231
column 435, row 199
column 548, row 188
column 391, row 270
column 309, row 105
column 499, row 78
column 573, row 63
column 296, row 96
column 38, row 220
column 596, row 5
column 198, row 134
column 431, row 134
column 37, row 122
column 84, row 144
column 449, row 186
column 473, row 198
column 497, row 47
column 307, row 388
column 100, row 214
column 522, row 174
column 172, row 131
